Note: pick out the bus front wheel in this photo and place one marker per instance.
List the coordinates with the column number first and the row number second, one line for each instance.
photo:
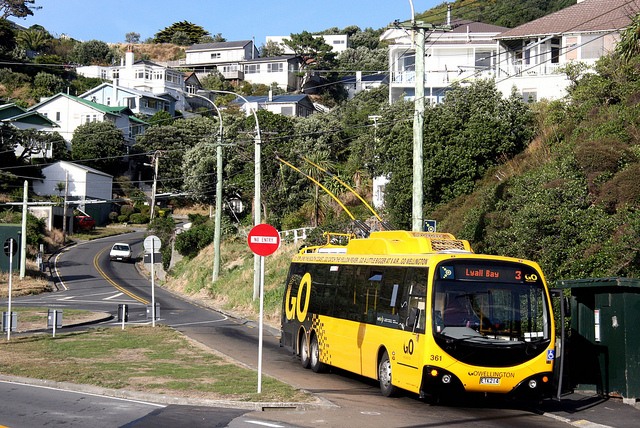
column 304, row 352
column 384, row 375
column 314, row 354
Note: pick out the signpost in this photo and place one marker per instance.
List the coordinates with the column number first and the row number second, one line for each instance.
column 151, row 244
column 264, row 240
column 10, row 249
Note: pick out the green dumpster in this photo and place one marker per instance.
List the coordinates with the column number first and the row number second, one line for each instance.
column 604, row 345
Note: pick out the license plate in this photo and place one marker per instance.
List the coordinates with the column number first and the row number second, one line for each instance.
column 489, row 381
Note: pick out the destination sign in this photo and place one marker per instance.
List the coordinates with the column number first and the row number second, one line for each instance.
column 494, row 273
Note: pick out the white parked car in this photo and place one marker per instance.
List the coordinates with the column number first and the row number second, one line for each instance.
column 120, row 251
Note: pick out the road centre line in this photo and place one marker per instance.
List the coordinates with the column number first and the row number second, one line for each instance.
column 105, row 276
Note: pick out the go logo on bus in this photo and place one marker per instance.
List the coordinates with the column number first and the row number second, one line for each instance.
column 294, row 306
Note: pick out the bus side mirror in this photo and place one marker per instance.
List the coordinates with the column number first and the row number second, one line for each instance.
column 412, row 319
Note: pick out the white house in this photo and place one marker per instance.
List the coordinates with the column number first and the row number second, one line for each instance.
column 144, row 76
column 69, row 112
column 219, row 53
column 287, row 105
column 466, row 53
column 280, row 70
column 88, row 189
column 110, row 94
column 338, row 42
column 530, row 55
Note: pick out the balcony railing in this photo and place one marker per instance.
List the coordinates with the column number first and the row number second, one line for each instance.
column 440, row 78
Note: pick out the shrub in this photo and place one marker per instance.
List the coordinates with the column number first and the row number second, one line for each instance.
column 139, row 218
column 123, row 218
column 127, row 210
column 195, row 239
column 113, row 216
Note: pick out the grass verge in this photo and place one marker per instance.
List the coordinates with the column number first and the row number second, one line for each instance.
column 139, row 358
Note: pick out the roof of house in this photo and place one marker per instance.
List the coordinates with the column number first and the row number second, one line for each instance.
column 121, row 88
column 10, row 110
column 78, row 166
column 115, row 110
column 262, row 99
column 271, row 59
column 32, row 117
column 218, row 45
column 586, row 16
column 459, row 25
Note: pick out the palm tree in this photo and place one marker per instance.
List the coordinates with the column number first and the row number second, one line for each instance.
column 321, row 159
column 32, row 39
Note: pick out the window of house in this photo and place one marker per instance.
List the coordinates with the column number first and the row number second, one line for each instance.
column 108, row 101
column 483, row 59
column 252, row 68
column 593, row 49
column 230, row 68
column 338, row 42
column 529, row 95
column 131, row 102
column 408, row 62
column 275, row 67
column 152, row 103
column 115, row 74
column 58, row 116
column 286, row 111
column 572, row 51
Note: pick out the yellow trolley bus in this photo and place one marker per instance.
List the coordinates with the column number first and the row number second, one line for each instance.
column 420, row 311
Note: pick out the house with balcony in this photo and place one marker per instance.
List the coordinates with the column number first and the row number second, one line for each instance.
column 222, row 56
column 142, row 75
column 465, row 53
column 69, row 112
column 530, row 55
column 139, row 102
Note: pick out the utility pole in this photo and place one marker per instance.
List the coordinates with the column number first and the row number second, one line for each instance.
column 156, row 158
column 217, row 231
column 23, row 243
column 257, row 209
column 419, row 29
column 64, row 208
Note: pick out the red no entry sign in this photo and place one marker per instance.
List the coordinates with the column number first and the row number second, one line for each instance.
column 264, row 239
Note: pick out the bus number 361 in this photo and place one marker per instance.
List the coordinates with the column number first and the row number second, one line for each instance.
column 294, row 304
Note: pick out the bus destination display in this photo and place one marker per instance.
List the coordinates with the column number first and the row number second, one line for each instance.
column 474, row 272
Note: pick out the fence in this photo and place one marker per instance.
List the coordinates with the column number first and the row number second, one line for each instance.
column 298, row 234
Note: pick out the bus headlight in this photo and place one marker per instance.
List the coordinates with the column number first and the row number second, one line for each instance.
column 533, row 383
column 446, row 378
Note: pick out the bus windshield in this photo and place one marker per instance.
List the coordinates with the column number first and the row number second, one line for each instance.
column 481, row 300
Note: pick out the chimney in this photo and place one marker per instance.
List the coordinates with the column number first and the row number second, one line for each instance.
column 358, row 81
column 448, row 14
column 270, row 95
column 128, row 56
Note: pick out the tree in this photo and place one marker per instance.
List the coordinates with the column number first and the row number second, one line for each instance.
column 100, row 144
column 313, row 51
column 180, row 38
column 193, row 31
column 271, row 49
column 94, row 52
column 132, row 37
column 33, row 39
column 7, row 38
column 46, row 84
column 212, row 39
column 365, row 59
column 199, row 170
column 17, row 8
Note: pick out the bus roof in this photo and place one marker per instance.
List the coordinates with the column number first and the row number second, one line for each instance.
column 398, row 242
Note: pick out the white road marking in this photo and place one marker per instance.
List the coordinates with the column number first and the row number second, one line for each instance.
column 114, row 296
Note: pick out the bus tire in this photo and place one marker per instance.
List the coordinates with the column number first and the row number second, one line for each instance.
column 305, row 360
column 314, row 356
column 384, row 376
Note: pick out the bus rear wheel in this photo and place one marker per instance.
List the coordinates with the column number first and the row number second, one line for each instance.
column 384, row 375
column 314, row 354
column 304, row 352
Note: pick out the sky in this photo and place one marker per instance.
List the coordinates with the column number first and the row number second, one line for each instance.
column 110, row 21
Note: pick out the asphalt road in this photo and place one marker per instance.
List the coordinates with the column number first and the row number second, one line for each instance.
column 89, row 281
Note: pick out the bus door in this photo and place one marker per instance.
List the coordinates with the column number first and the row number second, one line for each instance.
column 412, row 314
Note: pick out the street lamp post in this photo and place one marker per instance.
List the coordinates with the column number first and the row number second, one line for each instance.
column 257, row 190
